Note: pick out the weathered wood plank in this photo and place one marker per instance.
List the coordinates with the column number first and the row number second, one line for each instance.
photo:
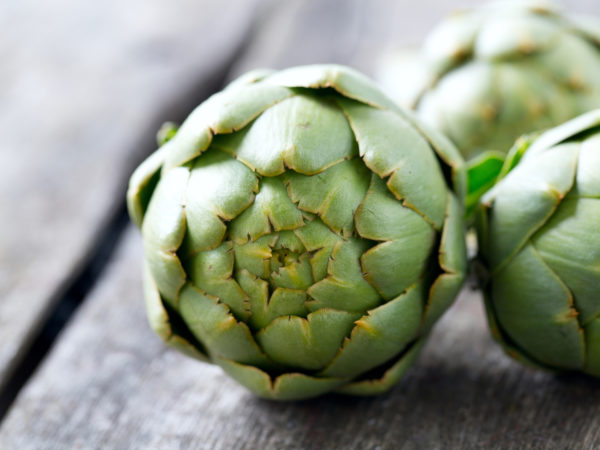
column 112, row 384
column 80, row 84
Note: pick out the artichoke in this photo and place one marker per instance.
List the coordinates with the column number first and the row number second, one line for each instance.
column 539, row 242
column 487, row 76
column 301, row 232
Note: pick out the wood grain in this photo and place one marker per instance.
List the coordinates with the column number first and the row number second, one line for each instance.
column 83, row 87
column 111, row 383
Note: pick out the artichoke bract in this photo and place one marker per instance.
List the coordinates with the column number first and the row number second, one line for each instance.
column 539, row 239
column 489, row 75
column 301, row 232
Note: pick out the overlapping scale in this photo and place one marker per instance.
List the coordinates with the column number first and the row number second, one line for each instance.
column 344, row 287
column 392, row 148
column 162, row 323
column 527, row 199
column 405, row 241
column 379, row 335
column 334, row 194
column 319, row 137
column 212, row 271
column 510, row 35
column 224, row 112
column 536, row 309
column 570, row 244
column 272, row 210
column 164, row 230
column 213, row 325
column 227, row 187
column 452, row 259
column 308, row 343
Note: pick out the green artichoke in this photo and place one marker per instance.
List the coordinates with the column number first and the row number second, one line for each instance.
column 301, row 232
column 490, row 75
column 539, row 242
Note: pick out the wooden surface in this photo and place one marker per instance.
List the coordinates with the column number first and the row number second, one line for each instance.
column 83, row 87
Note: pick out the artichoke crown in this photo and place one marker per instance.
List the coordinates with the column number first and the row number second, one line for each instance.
column 506, row 69
column 539, row 241
column 301, row 232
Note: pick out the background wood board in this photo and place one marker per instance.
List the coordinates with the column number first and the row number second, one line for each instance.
column 83, row 87
column 111, row 383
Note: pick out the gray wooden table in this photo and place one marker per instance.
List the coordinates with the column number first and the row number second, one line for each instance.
column 83, row 87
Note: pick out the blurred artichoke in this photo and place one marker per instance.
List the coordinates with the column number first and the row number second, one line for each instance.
column 487, row 76
column 300, row 231
column 539, row 236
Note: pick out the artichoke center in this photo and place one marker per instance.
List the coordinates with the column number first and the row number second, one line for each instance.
column 289, row 264
column 283, row 257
